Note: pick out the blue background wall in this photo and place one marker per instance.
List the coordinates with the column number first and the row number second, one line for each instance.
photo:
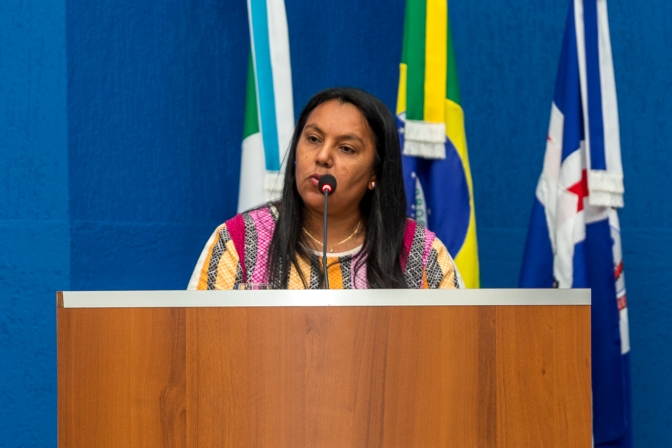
column 34, row 218
column 120, row 128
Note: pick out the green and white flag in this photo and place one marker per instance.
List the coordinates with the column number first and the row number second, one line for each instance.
column 269, row 108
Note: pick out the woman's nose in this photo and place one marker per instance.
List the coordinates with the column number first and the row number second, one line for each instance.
column 324, row 156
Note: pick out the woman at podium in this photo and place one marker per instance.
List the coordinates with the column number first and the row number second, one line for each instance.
column 352, row 136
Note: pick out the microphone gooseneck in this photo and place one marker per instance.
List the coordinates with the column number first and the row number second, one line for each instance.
column 324, row 243
column 326, row 185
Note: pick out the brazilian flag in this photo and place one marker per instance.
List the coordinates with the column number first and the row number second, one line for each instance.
column 438, row 180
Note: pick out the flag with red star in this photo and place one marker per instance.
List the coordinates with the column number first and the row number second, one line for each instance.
column 574, row 236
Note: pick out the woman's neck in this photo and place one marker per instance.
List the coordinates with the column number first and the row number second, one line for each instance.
column 345, row 231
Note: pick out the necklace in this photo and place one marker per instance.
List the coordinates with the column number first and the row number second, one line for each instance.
column 331, row 249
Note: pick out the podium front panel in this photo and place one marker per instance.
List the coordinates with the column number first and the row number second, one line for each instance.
column 498, row 368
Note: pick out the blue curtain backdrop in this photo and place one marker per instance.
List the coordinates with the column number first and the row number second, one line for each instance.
column 120, row 130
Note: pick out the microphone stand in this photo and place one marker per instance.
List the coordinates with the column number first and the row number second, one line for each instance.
column 324, row 237
column 326, row 185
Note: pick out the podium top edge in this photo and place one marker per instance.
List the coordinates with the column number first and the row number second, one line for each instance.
column 307, row 298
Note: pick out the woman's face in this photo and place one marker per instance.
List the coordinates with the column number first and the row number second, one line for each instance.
column 336, row 140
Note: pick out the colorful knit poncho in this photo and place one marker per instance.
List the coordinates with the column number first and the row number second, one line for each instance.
column 237, row 252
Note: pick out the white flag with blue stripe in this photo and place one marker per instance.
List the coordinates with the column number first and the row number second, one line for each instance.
column 269, row 115
column 574, row 236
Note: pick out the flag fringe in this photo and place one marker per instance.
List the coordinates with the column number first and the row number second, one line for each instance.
column 425, row 150
column 605, row 188
column 425, row 131
column 425, row 139
column 273, row 183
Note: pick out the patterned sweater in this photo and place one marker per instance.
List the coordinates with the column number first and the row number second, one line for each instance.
column 237, row 252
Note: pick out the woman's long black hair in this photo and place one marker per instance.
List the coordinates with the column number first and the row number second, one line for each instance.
column 383, row 208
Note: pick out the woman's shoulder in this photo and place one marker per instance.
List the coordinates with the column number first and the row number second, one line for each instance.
column 248, row 227
column 263, row 212
column 420, row 243
column 416, row 251
column 416, row 233
column 259, row 221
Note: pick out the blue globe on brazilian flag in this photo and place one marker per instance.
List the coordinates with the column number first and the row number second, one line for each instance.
column 437, row 176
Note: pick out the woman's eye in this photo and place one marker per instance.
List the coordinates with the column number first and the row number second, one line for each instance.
column 312, row 139
column 347, row 149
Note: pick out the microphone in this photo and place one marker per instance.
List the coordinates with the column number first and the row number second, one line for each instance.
column 327, row 185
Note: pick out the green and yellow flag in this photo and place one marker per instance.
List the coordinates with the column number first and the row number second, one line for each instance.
column 436, row 165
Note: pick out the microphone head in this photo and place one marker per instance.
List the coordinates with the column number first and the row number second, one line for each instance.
column 327, row 183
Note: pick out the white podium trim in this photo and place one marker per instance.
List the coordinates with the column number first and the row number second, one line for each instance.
column 389, row 297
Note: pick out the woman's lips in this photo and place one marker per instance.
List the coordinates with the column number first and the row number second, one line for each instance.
column 315, row 179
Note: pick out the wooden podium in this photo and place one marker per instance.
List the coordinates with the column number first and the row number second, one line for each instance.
column 402, row 368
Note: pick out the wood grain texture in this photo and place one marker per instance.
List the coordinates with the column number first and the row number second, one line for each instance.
column 543, row 375
column 326, row 377
column 393, row 377
column 121, row 377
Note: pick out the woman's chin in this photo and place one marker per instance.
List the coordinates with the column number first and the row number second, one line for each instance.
column 312, row 200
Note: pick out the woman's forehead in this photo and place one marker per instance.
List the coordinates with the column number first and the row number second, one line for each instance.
column 338, row 117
